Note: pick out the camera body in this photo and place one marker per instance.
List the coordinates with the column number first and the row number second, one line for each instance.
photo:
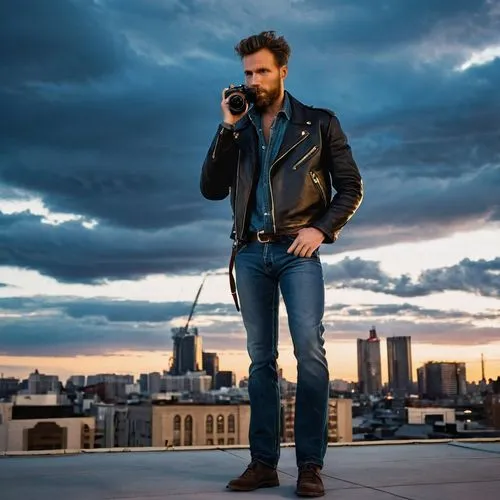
column 239, row 97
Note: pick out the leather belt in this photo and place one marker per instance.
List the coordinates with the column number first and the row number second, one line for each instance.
column 270, row 237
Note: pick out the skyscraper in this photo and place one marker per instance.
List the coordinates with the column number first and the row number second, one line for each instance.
column 187, row 351
column 444, row 379
column 399, row 364
column 211, row 365
column 421, row 380
column 369, row 365
column 225, row 378
column 192, row 353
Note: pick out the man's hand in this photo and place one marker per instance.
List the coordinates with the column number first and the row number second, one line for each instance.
column 227, row 116
column 306, row 242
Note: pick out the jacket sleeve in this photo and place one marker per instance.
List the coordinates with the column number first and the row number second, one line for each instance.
column 346, row 180
column 219, row 167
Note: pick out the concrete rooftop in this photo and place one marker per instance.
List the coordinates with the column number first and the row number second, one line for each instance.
column 420, row 471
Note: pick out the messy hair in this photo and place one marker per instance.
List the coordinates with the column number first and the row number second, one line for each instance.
column 265, row 40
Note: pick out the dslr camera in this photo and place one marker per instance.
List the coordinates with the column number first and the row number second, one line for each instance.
column 239, row 97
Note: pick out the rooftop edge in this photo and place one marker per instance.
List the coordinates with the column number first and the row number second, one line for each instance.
column 77, row 451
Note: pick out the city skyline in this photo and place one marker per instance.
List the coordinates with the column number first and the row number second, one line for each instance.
column 491, row 370
column 105, row 237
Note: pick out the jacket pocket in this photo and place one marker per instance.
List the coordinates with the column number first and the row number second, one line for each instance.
column 306, row 157
column 319, row 187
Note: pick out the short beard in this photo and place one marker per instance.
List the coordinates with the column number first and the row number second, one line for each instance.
column 267, row 99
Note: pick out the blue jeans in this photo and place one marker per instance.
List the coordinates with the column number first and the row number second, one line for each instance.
column 261, row 270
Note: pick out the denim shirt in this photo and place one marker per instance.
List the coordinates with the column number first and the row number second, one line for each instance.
column 261, row 217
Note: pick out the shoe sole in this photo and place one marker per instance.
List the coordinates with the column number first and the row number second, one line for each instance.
column 309, row 494
column 267, row 484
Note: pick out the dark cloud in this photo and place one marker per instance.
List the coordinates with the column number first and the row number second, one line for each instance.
column 408, row 312
column 135, row 311
column 480, row 277
column 115, row 144
column 52, row 42
column 65, row 337
column 404, row 23
column 93, row 329
column 108, row 108
column 70, row 253
column 67, row 326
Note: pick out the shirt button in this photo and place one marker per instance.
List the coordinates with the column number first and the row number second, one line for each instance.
column 263, row 147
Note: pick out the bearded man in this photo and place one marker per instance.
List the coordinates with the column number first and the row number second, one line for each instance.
column 293, row 185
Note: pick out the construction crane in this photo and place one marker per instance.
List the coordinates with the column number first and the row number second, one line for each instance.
column 179, row 333
column 190, row 317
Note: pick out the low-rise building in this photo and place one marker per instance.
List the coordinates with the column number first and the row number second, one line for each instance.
column 24, row 428
column 191, row 424
column 428, row 416
column 339, row 420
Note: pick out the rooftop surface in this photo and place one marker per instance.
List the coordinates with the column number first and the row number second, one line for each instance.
column 431, row 471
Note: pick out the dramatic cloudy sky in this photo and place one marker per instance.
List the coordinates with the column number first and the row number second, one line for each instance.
column 107, row 110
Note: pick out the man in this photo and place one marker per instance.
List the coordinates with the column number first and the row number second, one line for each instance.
column 279, row 160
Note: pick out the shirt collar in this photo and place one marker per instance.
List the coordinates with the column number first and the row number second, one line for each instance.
column 287, row 107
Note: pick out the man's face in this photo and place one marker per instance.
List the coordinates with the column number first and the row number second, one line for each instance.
column 265, row 76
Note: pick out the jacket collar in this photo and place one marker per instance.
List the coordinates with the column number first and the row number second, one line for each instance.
column 300, row 115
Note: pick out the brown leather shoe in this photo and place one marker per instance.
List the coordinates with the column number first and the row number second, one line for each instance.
column 257, row 475
column 309, row 483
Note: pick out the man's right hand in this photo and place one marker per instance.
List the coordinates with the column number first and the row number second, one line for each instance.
column 227, row 116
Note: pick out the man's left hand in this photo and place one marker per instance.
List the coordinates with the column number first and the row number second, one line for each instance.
column 306, row 242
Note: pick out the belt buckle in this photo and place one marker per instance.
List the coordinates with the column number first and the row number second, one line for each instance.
column 260, row 240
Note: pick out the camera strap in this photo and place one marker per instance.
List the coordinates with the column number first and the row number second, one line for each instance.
column 232, row 282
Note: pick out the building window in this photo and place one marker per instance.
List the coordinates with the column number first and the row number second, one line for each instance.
column 210, row 442
column 220, row 441
column 188, row 431
column 177, row 423
column 220, row 424
column 177, row 430
column 230, row 441
column 47, row 436
column 209, row 425
column 230, row 423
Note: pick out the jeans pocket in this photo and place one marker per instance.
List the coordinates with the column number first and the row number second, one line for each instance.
column 313, row 256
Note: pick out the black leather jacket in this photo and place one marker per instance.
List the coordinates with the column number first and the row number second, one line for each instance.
column 314, row 158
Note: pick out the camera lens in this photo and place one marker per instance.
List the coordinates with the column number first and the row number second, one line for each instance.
column 237, row 104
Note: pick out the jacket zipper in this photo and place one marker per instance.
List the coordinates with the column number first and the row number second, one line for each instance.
column 305, row 157
column 303, row 138
column 316, row 181
column 236, row 200
column 217, row 143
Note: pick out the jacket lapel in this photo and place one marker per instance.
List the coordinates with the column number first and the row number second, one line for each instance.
column 248, row 143
column 297, row 133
